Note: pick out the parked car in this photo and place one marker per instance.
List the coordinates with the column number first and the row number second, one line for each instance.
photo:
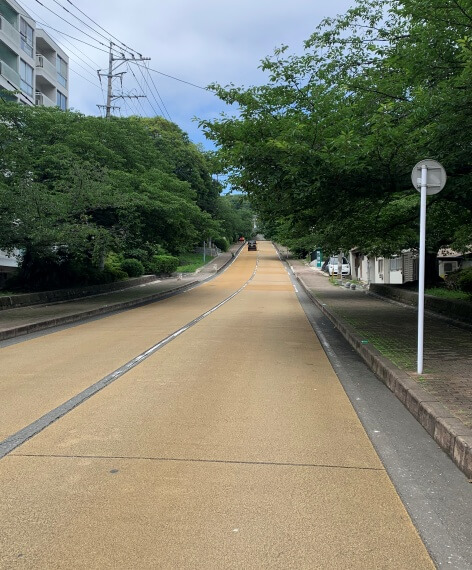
column 252, row 245
column 333, row 266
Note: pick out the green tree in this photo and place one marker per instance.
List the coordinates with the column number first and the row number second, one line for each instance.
column 235, row 217
column 324, row 150
column 73, row 188
column 179, row 156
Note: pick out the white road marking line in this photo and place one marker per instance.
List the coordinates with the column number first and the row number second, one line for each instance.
column 15, row 440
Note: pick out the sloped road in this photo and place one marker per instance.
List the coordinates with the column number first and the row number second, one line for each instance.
column 233, row 445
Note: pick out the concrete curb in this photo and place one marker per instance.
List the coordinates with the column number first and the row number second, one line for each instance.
column 106, row 309
column 448, row 432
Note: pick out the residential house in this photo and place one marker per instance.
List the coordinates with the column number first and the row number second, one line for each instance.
column 402, row 268
column 450, row 261
column 389, row 271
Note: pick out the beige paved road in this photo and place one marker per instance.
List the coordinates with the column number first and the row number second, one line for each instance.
column 234, row 446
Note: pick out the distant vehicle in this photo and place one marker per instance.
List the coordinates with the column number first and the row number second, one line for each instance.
column 241, row 238
column 333, row 266
column 252, row 245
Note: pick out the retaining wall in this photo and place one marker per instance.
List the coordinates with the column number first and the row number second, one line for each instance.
column 454, row 309
column 26, row 299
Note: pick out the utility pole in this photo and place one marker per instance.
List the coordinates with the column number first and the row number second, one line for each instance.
column 112, row 73
column 110, row 78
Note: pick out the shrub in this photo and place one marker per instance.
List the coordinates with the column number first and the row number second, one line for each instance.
column 465, row 280
column 451, row 281
column 163, row 264
column 137, row 253
column 133, row 267
column 221, row 243
column 110, row 275
column 460, row 280
column 113, row 260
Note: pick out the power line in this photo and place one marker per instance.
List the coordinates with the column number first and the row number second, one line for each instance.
column 113, row 49
column 108, row 33
column 154, row 110
column 81, row 59
column 77, row 18
column 132, row 103
column 110, row 96
column 67, row 35
column 97, row 85
column 175, row 78
column 149, row 89
column 106, row 51
column 144, row 112
column 68, row 49
column 44, row 25
column 81, row 21
column 159, row 95
column 72, row 25
column 71, row 51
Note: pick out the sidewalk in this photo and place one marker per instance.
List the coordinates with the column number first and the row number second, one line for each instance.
column 24, row 320
column 385, row 335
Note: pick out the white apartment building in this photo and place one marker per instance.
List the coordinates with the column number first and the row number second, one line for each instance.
column 34, row 70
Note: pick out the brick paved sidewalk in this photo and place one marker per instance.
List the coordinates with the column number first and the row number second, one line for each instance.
column 391, row 328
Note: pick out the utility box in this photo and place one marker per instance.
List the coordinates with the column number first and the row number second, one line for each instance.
column 316, row 258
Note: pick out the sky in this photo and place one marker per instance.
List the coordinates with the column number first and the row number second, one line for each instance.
column 195, row 42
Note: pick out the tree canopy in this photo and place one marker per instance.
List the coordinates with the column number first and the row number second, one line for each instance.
column 325, row 149
column 75, row 188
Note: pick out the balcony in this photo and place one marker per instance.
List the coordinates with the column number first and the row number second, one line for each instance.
column 9, row 32
column 42, row 99
column 46, row 68
column 10, row 74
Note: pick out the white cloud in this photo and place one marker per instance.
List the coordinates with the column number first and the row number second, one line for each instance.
column 199, row 42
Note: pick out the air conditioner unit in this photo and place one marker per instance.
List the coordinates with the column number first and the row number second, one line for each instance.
column 450, row 266
column 381, row 275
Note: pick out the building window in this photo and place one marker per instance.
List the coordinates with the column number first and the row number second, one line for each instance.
column 61, row 101
column 396, row 263
column 26, row 77
column 380, row 267
column 26, row 33
column 61, row 67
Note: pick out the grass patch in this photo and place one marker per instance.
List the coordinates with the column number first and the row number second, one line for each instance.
column 447, row 294
column 190, row 262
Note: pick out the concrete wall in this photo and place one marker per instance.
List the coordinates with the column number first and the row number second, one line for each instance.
column 26, row 299
column 455, row 309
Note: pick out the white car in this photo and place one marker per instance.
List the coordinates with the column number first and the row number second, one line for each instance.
column 333, row 266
